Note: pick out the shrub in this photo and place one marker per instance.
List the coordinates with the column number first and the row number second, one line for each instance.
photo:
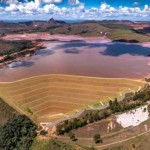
column 97, row 138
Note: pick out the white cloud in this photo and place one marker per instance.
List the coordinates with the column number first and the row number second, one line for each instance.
column 37, row 2
column 104, row 6
column 136, row 3
column 50, row 9
column 146, row 8
column 9, row 1
column 52, row 1
column 73, row 2
column 12, row 7
column 2, row 11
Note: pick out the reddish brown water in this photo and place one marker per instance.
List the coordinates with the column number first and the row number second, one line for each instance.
column 111, row 60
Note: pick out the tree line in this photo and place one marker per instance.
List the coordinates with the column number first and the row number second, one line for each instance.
column 116, row 106
column 67, row 126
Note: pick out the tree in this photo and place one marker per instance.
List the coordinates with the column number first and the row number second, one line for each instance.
column 43, row 132
column 66, row 122
column 59, row 129
column 110, row 103
column 72, row 136
column 97, row 138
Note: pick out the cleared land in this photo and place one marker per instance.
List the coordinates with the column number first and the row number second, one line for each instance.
column 48, row 98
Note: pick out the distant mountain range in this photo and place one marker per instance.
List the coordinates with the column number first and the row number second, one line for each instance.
column 114, row 29
column 67, row 21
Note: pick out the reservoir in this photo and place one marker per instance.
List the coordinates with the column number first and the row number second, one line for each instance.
column 96, row 59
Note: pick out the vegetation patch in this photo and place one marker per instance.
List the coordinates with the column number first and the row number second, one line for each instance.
column 6, row 112
column 128, row 36
column 10, row 47
column 53, row 144
column 18, row 133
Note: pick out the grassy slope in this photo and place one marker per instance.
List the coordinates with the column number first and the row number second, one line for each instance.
column 117, row 26
column 139, row 143
column 48, row 96
column 53, row 144
column 86, row 29
column 128, row 35
column 90, row 29
column 6, row 112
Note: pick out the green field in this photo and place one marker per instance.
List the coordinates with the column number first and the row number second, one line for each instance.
column 48, row 98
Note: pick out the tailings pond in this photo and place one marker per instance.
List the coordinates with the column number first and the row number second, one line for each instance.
column 110, row 59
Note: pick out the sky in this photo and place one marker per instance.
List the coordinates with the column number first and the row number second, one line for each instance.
column 136, row 10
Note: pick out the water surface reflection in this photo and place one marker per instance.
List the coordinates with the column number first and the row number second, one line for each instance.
column 81, row 58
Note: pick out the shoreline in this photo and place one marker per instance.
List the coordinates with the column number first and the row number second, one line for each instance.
column 41, row 37
column 15, row 57
column 45, row 36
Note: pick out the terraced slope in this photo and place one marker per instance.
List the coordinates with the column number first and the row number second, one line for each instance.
column 48, row 98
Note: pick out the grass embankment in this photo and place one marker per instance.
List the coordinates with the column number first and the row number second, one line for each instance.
column 52, row 97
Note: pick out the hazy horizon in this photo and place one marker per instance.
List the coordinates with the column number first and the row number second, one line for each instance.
column 67, row 21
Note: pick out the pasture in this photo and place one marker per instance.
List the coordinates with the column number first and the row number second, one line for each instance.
column 48, row 98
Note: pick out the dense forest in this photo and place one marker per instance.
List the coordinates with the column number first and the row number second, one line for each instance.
column 17, row 134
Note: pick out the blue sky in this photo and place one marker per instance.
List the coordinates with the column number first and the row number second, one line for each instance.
column 75, row 9
column 115, row 3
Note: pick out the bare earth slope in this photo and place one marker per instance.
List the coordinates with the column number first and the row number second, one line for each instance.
column 52, row 97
